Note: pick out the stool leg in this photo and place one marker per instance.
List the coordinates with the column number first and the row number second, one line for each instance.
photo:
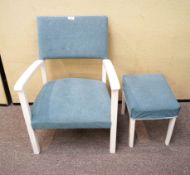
column 170, row 130
column 131, row 132
column 123, row 104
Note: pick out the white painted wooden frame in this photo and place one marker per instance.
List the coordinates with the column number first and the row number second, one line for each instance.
column 132, row 122
column 108, row 70
column 19, row 87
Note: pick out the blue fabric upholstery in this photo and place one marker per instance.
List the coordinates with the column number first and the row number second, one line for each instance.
column 72, row 103
column 149, row 97
column 81, row 37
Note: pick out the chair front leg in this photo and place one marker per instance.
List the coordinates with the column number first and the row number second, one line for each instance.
column 170, row 130
column 114, row 110
column 27, row 117
column 131, row 132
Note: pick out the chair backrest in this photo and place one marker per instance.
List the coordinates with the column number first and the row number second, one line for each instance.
column 73, row 37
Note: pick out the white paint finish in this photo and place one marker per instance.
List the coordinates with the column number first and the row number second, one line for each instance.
column 112, row 76
column 131, row 132
column 123, row 106
column 114, row 110
column 170, row 130
column 108, row 69
column 103, row 73
column 43, row 73
column 19, row 86
column 72, row 18
column 27, row 117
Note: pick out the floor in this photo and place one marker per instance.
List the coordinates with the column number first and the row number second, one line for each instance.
column 86, row 152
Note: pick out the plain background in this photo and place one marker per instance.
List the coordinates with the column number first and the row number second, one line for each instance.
column 145, row 36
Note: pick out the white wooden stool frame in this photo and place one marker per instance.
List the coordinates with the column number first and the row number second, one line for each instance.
column 107, row 71
column 132, row 122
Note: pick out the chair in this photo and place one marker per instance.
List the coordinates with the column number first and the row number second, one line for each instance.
column 71, row 102
column 149, row 97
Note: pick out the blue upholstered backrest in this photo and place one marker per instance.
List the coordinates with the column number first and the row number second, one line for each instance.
column 73, row 37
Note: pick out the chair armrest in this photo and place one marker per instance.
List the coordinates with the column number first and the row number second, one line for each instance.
column 112, row 76
column 19, row 86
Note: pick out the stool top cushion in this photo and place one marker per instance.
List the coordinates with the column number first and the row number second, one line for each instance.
column 72, row 103
column 149, row 97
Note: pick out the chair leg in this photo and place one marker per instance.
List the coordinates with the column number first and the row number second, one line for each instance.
column 123, row 104
column 27, row 116
column 113, row 134
column 131, row 132
column 113, row 131
column 34, row 141
column 170, row 130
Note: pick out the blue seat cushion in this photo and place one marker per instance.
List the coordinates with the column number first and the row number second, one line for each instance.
column 72, row 103
column 149, row 97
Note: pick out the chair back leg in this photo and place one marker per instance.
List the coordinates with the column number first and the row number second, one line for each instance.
column 170, row 130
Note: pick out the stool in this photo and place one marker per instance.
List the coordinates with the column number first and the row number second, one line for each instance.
column 148, row 97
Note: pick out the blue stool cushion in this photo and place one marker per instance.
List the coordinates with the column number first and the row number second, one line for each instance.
column 149, row 97
column 72, row 103
column 73, row 37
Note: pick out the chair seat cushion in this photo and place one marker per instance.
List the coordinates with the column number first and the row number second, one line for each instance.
column 72, row 103
column 149, row 97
